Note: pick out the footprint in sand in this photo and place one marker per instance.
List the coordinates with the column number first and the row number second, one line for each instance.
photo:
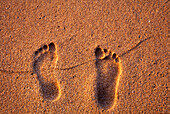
column 108, row 71
column 45, row 60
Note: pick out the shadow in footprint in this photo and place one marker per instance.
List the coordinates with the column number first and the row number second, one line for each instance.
column 108, row 75
column 49, row 90
column 45, row 59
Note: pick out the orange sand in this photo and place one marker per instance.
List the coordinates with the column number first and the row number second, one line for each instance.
column 78, row 28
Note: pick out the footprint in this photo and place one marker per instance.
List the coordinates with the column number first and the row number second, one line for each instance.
column 45, row 60
column 108, row 75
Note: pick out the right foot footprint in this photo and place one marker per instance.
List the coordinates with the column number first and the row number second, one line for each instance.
column 45, row 60
column 108, row 71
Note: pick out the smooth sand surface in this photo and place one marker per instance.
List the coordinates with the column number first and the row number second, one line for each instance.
column 135, row 31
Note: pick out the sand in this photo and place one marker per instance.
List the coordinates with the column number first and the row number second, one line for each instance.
column 135, row 31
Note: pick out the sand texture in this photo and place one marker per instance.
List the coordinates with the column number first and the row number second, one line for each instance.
column 87, row 57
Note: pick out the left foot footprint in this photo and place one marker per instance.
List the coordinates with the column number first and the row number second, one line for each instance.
column 45, row 60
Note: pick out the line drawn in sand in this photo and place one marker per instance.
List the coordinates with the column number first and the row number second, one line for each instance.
column 50, row 88
column 74, row 66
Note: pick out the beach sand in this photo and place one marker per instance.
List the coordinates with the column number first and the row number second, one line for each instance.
column 135, row 31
